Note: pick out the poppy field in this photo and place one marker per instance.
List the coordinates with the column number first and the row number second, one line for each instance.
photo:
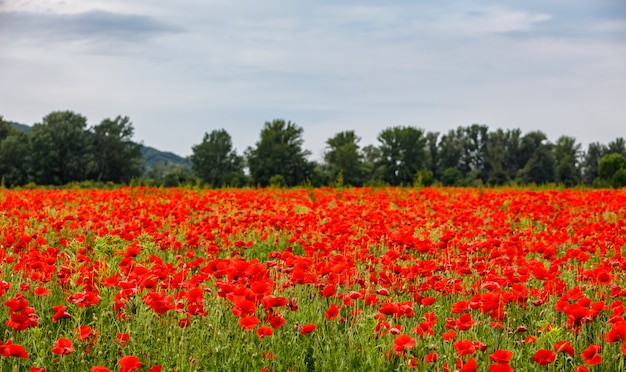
column 380, row 279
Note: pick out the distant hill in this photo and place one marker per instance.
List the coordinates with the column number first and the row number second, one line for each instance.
column 21, row 127
column 151, row 156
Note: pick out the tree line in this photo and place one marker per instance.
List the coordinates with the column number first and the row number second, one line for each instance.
column 62, row 149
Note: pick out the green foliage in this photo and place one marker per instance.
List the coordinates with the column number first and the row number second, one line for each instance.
column 619, row 178
column 277, row 181
column 610, row 167
column 215, row 161
column 402, row 154
column 338, row 184
column 538, row 159
column 117, row 158
column 61, row 149
column 343, row 156
column 567, row 156
column 452, row 177
column 168, row 175
column 423, row 178
column 14, row 153
column 279, row 152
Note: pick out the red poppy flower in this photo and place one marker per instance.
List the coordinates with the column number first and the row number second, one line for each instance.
column 617, row 332
column 389, row 308
column 591, row 355
column 129, row 363
column 332, row 312
column 276, row 321
column 464, row 347
column 307, row 328
column 273, row 301
column 501, row 356
column 248, row 322
column 402, row 343
column 465, row 322
column 41, row 291
column 469, row 366
column 501, row 367
column 62, row 346
column 329, row 290
column 544, row 357
column 564, row 347
column 448, row 335
column 10, row 349
column 99, row 369
column 264, row 331
column 603, row 277
column 60, row 313
column 122, row 338
column 427, row 301
column 431, row 358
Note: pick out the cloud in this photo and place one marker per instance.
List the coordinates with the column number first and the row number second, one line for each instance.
column 95, row 24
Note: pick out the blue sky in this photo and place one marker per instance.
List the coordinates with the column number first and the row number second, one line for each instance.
column 180, row 69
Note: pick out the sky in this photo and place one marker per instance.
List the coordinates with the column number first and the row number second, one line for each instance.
column 179, row 69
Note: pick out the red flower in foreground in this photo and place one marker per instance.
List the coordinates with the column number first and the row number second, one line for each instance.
column 122, row 338
column 62, row 346
column 307, row 328
column 469, row 366
column 590, row 355
column 248, row 322
column 501, row 356
column 564, row 347
column 99, row 369
column 11, row 349
column 264, row 331
column 464, row 347
column 431, row 358
column 60, row 313
column 402, row 343
column 544, row 357
column 502, row 367
column 129, row 363
column 332, row 312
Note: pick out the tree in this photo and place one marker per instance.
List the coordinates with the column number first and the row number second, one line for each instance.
column 61, row 150
column 14, row 155
column 279, row 152
column 513, row 159
column 116, row 157
column 610, row 166
column 567, row 156
column 495, row 152
column 433, row 152
column 595, row 151
column 215, row 161
column 450, row 152
column 6, row 129
column 617, row 146
column 536, row 153
column 402, row 154
column 343, row 156
column 474, row 141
